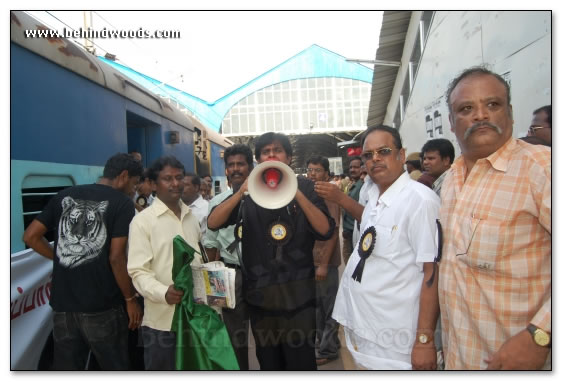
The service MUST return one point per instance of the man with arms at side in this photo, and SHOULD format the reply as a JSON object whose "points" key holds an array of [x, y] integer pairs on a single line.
{"points": [[277, 256], [388, 296], [437, 158], [151, 257], [207, 189], [540, 126], [193, 199], [90, 277], [326, 255], [495, 273], [221, 245]]}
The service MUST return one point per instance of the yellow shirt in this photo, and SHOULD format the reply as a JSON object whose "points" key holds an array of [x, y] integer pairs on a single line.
{"points": [[150, 257]]}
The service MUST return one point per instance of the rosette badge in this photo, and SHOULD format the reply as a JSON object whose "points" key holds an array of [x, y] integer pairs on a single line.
{"points": [[367, 242]]}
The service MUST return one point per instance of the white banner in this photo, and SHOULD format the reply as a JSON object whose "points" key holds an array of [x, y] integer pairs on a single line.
{"points": [[30, 313]]}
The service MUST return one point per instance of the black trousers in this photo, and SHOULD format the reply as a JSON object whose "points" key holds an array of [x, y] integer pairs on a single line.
{"points": [[236, 320], [284, 340], [160, 349]]}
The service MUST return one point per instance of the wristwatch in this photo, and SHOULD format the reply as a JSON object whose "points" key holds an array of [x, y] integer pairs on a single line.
{"points": [[540, 337], [423, 339]]}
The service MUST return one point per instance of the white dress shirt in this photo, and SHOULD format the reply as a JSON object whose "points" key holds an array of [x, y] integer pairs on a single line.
{"points": [[200, 208], [150, 257], [383, 308]]}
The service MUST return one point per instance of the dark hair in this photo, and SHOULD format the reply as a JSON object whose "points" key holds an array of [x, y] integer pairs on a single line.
{"points": [[415, 163], [319, 160], [394, 132], [475, 70], [353, 159], [195, 179], [443, 146], [206, 175], [144, 175], [237, 149], [269, 138], [547, 110], [158, 165], [122, 162]]}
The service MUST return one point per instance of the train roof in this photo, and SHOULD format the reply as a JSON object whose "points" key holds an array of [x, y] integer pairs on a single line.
{"points": [[71, 56]]}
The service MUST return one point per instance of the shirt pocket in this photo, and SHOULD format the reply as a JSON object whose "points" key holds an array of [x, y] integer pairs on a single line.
{"points": [[482, 242], [386, 241]]}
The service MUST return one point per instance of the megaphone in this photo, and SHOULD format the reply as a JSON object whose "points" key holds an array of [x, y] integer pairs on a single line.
{"points": [[272, 184]]}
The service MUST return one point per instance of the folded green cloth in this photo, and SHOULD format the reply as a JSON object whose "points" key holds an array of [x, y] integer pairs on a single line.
{"points": [[202, 341]]}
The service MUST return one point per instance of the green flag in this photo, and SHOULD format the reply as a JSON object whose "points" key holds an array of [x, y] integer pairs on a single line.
{"points": [[202, 341]]}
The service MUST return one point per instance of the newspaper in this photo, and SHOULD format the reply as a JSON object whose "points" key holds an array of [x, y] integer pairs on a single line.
{"points": [[214, 284]]}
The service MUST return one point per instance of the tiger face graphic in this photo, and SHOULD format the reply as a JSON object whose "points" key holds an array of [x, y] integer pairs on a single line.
{"points": [[82, 231]]}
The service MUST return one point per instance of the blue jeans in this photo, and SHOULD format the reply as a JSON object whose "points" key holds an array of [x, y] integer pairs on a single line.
{"points": [[104, 333]]}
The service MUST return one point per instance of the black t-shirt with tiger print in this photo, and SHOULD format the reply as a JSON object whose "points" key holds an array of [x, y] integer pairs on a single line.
{"points": [[85, 219]]}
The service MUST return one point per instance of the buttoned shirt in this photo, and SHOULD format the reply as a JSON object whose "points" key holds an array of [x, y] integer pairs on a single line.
{"points": [[348, 220], [437, 185], [150, 256], [495, 273], [221, 239], [384, 307], [363, 197], [200, 208]]}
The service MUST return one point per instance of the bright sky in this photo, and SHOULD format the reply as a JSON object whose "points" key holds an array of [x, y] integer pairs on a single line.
{"points": [[221, 51]]}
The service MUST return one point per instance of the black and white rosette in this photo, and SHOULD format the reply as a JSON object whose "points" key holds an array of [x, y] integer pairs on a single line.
{"points": [[365, 247], [237, 233], [142, 201], [279, 233]]}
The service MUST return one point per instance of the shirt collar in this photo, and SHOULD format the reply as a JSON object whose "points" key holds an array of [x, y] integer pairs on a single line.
{"points": [[161, 208], [498, 160], [395, 189], [197, 201]]}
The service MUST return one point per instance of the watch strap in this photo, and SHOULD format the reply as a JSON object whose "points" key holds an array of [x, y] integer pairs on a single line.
{"points": [[535, 331]]}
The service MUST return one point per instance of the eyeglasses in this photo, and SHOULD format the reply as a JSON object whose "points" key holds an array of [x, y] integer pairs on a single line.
{"points": [[533, 129], [315, 170], [368, 155]]}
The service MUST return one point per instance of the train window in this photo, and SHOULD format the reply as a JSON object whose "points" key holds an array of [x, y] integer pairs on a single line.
{"points": [[36, 193]]}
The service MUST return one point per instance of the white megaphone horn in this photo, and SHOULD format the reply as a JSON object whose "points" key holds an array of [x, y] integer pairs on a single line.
{"points": [[272, 184]]}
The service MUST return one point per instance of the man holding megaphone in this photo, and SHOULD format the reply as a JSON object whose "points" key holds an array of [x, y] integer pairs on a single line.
{"points": [[277, 254]]}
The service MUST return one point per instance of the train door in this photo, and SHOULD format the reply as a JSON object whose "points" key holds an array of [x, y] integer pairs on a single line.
{"points": [[143, 136]]}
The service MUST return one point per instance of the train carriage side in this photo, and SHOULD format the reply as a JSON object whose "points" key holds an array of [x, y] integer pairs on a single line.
{"points": [[69, 113]]}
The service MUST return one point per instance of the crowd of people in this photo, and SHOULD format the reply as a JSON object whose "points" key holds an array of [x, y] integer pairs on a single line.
{"points": [[447, 262]]}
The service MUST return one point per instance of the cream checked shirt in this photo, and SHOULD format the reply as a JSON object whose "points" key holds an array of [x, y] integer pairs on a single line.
{"points": [[150, 257], [495, 273]]}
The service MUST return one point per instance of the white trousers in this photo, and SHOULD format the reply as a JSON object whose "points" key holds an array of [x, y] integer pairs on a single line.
{"points": [[369, 355]]}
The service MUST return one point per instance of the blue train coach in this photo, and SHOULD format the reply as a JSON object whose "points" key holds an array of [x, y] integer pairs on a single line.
{"points": [[69, 113]]}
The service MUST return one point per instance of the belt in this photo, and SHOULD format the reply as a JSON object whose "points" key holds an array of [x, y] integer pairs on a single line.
{"points": [[234, 266]]}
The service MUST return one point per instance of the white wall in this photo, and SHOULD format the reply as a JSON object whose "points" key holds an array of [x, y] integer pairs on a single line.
{"points": [[514, 42]]}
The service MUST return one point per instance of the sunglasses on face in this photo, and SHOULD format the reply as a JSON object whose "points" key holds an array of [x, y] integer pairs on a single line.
{"points": [[382, 152]]}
